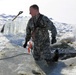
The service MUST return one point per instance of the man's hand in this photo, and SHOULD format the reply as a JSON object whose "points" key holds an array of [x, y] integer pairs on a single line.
{"points": [[53, 40], [25, 45]]}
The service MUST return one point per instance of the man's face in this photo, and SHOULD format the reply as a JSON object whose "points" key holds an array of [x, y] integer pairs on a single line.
{"points": [[33, 11]]}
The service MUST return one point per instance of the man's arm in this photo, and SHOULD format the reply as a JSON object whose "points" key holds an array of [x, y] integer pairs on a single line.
{"points": [[28, 34], [52, 28]]}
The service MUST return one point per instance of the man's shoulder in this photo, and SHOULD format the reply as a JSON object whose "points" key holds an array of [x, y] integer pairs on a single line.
{"points": [[44, 17]]}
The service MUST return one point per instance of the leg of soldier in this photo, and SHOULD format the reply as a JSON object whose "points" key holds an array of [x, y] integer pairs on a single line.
{"points": [[45, 50], [36, 51], [47, 53]]}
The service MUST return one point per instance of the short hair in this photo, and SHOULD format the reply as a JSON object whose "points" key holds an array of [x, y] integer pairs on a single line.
{"points": [[34, 6]]}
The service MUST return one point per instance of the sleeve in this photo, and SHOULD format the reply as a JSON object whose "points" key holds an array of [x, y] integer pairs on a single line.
{"points": [[28, 32], [51, 26]]}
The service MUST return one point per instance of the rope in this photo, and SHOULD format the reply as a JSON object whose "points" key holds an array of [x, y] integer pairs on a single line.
{"points": [[14, 56]]}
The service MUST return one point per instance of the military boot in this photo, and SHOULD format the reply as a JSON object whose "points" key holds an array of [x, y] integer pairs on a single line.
{"points": [[54, 58]]}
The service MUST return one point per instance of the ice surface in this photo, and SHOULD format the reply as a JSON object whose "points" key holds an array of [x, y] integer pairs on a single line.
{"points": [[3, 41], [15, 60]]}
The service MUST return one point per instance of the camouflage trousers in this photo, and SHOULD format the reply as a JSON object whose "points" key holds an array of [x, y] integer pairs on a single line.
{"points": [[42, 49]]}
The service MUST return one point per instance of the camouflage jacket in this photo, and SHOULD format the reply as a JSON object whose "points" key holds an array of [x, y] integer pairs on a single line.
{"points": [[40, 32]]}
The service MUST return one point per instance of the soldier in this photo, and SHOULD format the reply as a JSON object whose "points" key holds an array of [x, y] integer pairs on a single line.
{"points": [[37, 28]]}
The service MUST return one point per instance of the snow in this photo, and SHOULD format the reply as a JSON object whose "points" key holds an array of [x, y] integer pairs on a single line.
{"points": [[14, 34], [3, 41], [66, 67], [67, 37]]}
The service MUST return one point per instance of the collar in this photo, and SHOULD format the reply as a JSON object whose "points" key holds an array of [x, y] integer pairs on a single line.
{"points": [[36, 17]]}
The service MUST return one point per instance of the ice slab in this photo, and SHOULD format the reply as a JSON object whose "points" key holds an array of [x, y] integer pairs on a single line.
{"points": [[15, 60]]}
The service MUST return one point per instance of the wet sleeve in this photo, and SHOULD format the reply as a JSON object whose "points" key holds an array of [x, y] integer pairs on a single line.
{"points": [[28, 32], [51, 26]]}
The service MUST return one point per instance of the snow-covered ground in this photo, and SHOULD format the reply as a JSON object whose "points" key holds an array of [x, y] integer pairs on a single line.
{"points": [[15, 34]]}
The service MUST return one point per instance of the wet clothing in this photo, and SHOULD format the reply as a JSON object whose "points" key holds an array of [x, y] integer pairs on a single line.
{"points": [[40, 35]]}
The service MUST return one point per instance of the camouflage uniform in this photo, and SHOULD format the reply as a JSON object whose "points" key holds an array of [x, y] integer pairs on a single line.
{"points": [[40, 36]]}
